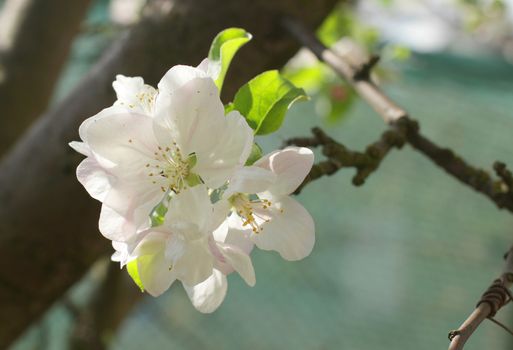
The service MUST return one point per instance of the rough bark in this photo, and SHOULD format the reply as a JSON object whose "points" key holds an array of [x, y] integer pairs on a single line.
{"points": [[35, 38], [48, 225]]}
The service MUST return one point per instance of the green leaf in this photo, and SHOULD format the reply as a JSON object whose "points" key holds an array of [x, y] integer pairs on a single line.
{"points": [[228, 107], [265, 99], [224, 47], [158, 213], [256, 154], [193, 180], [192, 159], [133, 270]]}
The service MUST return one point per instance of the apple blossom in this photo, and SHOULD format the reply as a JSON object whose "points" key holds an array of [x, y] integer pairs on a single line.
{"points": [[183, 248], [263, 211], [137, 154], [168, 166]]}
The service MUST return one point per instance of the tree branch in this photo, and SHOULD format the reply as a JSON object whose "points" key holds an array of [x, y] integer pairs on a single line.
{"points": [[338, 156], [35, 38], [494, 298], [48, 224], [359, 77]]}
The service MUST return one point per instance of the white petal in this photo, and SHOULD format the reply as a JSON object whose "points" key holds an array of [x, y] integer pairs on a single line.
{"points": [[134, 201], [229, 153], [125, 143], [232, 232], [80, 147], [208, 295], [251, 180], [180, 75], [95, 179], [191, 206], [134, 95], [117, 227], [192, 116], [114, 226], [222, 208], [105, 113], [203, 66], [154, 269], [121, 253], [195, 264], [291, 165], [211, 68], [240, 261], [291, 232]]}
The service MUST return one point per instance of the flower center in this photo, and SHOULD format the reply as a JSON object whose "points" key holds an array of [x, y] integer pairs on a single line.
{"points": [[171, 171], [254, 212], [146, 99]]}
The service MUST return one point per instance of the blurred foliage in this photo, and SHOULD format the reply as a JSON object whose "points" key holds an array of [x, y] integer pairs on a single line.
{"points": [[479, 12], [343, 22], [265, 100], [334, 97]]}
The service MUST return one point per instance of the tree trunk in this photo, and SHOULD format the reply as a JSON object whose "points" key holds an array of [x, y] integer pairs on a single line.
{"points": [[35, 38]]}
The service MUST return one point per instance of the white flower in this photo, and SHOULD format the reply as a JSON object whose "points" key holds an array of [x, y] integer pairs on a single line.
{"points": [[134, 95], [170, 149], [137, 154], [264, 213], [184, 249]]}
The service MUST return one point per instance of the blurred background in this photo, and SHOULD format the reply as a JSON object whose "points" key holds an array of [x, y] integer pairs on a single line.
{"points": [[399, 261]]}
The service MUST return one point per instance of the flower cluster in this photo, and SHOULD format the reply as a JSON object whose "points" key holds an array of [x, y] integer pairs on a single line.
{"points": [[178, 201]]}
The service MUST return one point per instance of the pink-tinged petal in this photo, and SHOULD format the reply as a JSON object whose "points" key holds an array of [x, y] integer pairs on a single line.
{"points": [[291, 165], [95, 179], [239, 261], [180, 75], [154, 270], [233, 142], [209, 294], [290, 231], [251, 180]]}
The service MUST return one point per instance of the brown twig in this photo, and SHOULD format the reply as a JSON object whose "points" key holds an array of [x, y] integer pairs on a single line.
{"points": [[338, 156], [358, 76], [492, 300]]}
